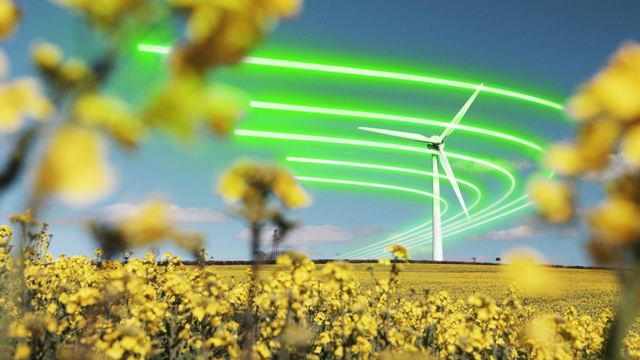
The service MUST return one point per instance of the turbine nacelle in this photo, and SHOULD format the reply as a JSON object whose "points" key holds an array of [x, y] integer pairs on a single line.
{"points": [[436, 143]]}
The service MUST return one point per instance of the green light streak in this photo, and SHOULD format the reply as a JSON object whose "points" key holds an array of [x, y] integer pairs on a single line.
{"points": [[454, 226], [312, 138], [381, 252], [382, 167], [384, 186], [391, 168], [285, 136], [333, 140], [370, 73], [371, 115], [478, 224], [361, 114], [154, 48], [411, 238]]}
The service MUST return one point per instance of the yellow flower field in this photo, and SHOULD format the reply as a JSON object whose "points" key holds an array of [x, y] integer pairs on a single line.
{"points": [[590, 291], [77, 308]]}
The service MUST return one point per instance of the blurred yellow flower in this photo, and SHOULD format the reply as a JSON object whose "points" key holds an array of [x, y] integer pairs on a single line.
{"points": [[9, 16], [150, 224], [292, 194], [553, 198], [284, 8], [631, 144], [225, 106], [617, 87], [617, 221], [47, 56], [22, 98], [525, 270], [596, 141], [112, 114], [565, 159], [75, 167], [252, 181], [398, 251], [188, 240], [22, 351], [583, 106], [177, 108], [232, 186], [73, 70], [25, 218], [615, 90]]}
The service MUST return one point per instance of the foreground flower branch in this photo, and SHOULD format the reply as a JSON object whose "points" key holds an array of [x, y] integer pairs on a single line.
{"points": [[607, 149]]}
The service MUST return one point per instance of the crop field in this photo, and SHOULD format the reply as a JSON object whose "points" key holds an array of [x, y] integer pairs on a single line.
{"points": [[590, 291]]}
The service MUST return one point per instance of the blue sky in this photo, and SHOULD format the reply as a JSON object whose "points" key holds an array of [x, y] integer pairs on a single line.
{"points": [[544, 49]]}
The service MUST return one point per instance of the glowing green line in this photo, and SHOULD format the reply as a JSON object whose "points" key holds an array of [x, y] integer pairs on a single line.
{"points": [[390, 168], [478, 224], [390, 75], [324, 139], [370, 73], [285, 136], [453, 226], [371, 115], [467, 228], [456, 226], [359, 183], [382, 167]]}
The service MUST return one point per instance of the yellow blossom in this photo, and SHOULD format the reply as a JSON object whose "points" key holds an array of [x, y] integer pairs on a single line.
{"points": [[525, 270], [225, 107], [284, 8], [73, 69], [112, 114], [564, 159], [75, 167], [9, 16], [20, 99], [398, 251], [22, 351], [616, 221], [553, 198], [177, 107], [289, 191], [47, 56], [631, 144], [615, 90], [25, 218], [232, 186], [596, 141], [150, 224]]}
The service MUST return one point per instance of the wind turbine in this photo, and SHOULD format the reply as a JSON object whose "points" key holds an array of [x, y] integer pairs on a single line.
{"points": [[437, 143]]}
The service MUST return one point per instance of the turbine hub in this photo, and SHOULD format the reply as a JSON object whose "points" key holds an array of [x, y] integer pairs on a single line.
{"points": [[435, 145]]}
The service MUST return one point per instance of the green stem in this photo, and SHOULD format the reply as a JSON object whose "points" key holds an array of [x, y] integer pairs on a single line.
{"points": [[249, 315], [625, 315]]}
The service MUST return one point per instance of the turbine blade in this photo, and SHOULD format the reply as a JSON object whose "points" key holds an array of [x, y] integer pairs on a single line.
{"points": [[452, 179], [401, 134], [461, 113]]}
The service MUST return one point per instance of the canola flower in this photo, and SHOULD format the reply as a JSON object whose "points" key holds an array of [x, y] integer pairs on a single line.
{"points": [[147, 310], [607, 107]]}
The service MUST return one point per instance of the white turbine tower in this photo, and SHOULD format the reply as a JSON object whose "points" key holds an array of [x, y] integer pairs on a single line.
{"points": [[437, 143]]}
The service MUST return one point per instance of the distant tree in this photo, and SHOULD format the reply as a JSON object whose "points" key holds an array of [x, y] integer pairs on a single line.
{"points": [[498, 259], [474, 259], [155, 251]]}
